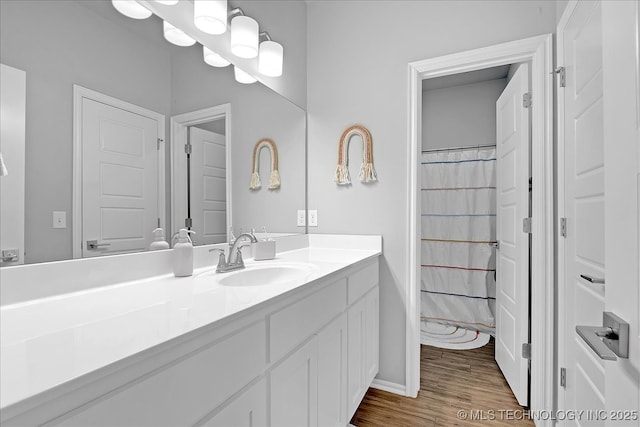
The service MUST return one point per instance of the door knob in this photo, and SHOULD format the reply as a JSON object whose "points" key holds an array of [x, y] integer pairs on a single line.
{"points": [[609, 341]]}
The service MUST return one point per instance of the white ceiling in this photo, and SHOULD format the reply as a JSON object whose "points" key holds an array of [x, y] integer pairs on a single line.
{"points": [[460, 79]]}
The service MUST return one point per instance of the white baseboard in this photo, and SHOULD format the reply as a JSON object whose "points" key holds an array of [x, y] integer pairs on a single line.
{"points": [[389, 386]]}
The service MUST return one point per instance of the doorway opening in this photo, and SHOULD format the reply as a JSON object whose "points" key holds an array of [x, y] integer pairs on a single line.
{"points": [[537, 52], [201, 170], [474, 185]]}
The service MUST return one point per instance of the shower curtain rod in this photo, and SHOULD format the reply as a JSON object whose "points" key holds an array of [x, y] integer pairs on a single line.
{"points": [[470, 147]]}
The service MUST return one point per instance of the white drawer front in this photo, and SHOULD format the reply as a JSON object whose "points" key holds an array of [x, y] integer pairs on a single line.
{"points": [[185, 392], [361, 281], [295, 323]]}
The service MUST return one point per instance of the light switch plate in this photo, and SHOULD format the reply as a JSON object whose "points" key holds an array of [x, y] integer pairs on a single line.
{"points": [[313, 218], [59, 219], [302, 218]]}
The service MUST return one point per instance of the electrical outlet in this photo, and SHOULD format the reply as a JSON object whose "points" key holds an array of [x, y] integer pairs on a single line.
{"points": [[313, 218], [302, 218]]}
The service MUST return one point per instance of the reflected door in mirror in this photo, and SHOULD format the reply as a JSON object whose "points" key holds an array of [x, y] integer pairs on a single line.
{"points": [[120, 194]]}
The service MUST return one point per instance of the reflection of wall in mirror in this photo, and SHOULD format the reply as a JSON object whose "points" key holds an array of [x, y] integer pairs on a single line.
{"points": [[12, 138], [257, 112], [60, 44]]}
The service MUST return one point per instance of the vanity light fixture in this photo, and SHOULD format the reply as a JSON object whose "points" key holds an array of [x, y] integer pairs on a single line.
{"points": [[167, 2], [242, 76], [244, 35], [210, 16], [131, 8], [213, 59], [270, 57], [176, 35]]}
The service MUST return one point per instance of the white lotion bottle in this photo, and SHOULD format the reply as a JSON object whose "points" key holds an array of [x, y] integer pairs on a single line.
{"points": [[159, 242], [183, 255]]}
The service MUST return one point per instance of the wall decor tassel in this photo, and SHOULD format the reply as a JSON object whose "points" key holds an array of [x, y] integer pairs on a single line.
{"points": [[274, 177], [367, 171]]}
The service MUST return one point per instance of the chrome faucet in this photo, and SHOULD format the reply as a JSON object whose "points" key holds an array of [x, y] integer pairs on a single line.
{"points": [[235, 261]]}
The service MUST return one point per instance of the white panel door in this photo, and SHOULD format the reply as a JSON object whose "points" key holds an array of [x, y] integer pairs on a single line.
{"points": [[512, 267], [582, 256], [208, 186], [621, 107], [356, 354], [119, 179]]}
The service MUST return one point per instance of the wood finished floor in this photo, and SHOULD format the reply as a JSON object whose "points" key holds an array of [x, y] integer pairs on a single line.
{"points": [[450, 381]]}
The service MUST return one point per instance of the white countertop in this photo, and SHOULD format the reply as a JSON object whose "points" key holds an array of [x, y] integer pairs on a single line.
{"points": [[48, 341]]}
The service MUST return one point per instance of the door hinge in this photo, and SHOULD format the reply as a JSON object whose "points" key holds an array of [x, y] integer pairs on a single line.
{"points": [[526, 100], [526, 350], [188, 222], [563, 227], [188, 148], [563, 377], [562, 76], [526, 225], [160, 141]]}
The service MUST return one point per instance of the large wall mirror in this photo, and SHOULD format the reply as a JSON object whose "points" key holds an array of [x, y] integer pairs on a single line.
{"points": [[95, 78]]}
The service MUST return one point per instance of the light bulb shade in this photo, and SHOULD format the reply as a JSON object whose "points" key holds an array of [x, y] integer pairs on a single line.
{"points": [[213, 59], [176, 35], [270, 58], [244, 37], [167, 2], [242, 76], [131, 8], [210, 16]]}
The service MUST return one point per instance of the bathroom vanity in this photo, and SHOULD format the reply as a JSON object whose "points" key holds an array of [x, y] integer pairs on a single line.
{"points": [[287, 342]]}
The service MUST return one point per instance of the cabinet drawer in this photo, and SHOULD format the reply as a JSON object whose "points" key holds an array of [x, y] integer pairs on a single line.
{"points": [[295, 323], [361, 281], [184, 392]]}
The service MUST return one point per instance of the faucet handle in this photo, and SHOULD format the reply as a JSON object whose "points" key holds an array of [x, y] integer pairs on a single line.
{"points": [[222, 262]]}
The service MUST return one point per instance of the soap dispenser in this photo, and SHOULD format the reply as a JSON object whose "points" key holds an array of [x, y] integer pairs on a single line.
{"points": [[183, 255], [159, 242]]}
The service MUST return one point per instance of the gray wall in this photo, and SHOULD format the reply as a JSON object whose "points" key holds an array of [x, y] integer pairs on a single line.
{"points": [[460, 115], [357, 72], [60, 44]]}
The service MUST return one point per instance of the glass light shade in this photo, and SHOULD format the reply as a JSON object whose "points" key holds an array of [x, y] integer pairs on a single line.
{"points": [[242, 76], [244, 37], [213, 59], [131, 8], [168, 2], [270, 58], [210, 16], [176, 35]]}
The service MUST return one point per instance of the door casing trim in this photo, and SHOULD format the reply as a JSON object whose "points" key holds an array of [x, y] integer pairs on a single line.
{"points": [[538, 51]]}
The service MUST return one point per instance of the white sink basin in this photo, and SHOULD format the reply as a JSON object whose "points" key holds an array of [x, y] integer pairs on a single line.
{"points": [[263, 275]]}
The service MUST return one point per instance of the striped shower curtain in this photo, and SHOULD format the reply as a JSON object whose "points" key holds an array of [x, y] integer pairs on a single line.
{"points": [[458, 230]]}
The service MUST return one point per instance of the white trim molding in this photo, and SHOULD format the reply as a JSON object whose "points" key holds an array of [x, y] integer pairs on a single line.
{"points": [[538, 51], [179, 125], [389, 386], [80, 93]]}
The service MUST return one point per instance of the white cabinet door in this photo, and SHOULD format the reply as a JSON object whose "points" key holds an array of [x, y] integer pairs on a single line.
{"points": [[247, 410], [294, 388], [372, 336], [356, 353], [362, 363], [332, 374]]}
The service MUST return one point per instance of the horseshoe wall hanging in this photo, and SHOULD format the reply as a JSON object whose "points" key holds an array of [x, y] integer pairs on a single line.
{"points": [[367, 171], [274, 177]]}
